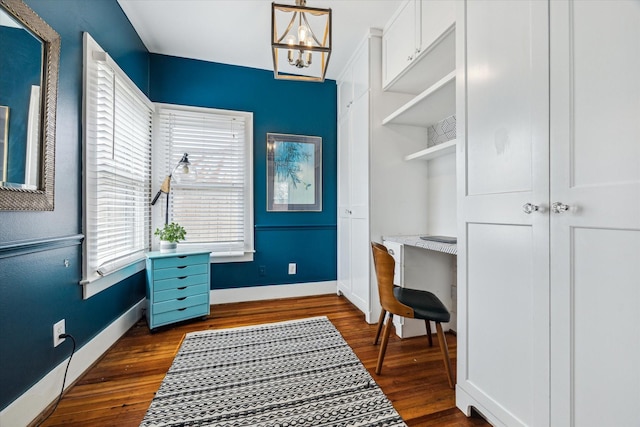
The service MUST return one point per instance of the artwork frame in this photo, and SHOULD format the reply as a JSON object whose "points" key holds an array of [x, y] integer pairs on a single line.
{"points": [[4, 141], [294, 173]]}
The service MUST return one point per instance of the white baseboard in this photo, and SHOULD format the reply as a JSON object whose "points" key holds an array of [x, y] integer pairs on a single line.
{"points": [[259, 293], [30, 404]]}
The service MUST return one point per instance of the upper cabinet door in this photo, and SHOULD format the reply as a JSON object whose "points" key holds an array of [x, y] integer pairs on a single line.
{"points": [[435, 17], [399, 42], [595, 242]]}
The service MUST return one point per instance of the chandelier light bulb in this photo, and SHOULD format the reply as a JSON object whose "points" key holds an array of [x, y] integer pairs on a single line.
{"points": [[303, 31]]}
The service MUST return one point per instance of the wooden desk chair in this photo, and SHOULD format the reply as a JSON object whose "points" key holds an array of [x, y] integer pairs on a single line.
{"points": [[410, 303]]}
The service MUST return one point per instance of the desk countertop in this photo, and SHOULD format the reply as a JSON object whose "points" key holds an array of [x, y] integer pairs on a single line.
{"points": [[449, 248]]}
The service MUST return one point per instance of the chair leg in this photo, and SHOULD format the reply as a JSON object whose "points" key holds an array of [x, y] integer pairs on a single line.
{"points": [[428, 325], [385, 341], [445, 354], [383, 313]]}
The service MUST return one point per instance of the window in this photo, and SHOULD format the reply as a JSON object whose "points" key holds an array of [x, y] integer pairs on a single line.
{"points": [[216, 209], [117, 170]]}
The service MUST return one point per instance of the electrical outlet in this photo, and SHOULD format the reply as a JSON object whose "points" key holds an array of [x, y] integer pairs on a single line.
{"points": [[58, 329], [292, 268]]}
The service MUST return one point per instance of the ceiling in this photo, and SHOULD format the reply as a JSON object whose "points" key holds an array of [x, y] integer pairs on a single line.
{"points": [[238, 32]]}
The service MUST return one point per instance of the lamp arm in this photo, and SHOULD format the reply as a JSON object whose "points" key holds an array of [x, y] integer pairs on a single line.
{"points": [[164, 188]]}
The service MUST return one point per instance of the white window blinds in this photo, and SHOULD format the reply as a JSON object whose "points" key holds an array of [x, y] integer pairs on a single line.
{"points": [[117, 166], [216, 210]]}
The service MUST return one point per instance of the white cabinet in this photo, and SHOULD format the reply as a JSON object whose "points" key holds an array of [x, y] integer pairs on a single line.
{"points": [[354, 81], [373, 198], [399, 41], [417, 42], [535, 286], [429, 76]]}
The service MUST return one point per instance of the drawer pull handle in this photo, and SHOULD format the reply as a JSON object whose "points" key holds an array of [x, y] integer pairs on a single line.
{"points": [[182, 256], [182, 309], [182, 277], [182, 288], [182, 266], [181, 298]]}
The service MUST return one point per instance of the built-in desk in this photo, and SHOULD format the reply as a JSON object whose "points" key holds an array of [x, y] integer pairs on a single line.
{"points": [[448, 248], [426, 265]]}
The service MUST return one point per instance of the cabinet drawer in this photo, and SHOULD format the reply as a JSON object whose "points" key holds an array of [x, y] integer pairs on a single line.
{"points": [[180, 304], [179, 271], [181, 292], [180, 261], [179, 282], [180, 314]]}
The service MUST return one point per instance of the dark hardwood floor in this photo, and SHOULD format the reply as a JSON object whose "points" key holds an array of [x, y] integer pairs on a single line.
{"points": [[118, 389]]}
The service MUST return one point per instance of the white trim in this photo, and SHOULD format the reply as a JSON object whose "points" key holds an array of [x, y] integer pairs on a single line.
{"points": [[31, 403], [260, 293], [100, 283]]}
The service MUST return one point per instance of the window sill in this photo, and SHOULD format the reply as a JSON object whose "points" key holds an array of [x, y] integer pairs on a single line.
{"points": [[99, 284], [220, 258], [93, 287]]}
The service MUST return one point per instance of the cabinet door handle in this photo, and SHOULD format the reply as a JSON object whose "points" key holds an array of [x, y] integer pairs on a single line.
{"points": [[182, 277], [181, 266], [181, 298], [529, 208], [182, 288], [559, 207], [182, 309], [182, 256]]}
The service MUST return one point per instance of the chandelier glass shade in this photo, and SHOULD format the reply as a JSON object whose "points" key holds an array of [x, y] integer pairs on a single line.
{"points": [[300, 41]]}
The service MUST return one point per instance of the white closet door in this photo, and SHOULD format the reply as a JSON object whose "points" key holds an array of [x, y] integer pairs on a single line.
{"points": [[344, 204], [360, 236], [503, 281], [595, 244]]}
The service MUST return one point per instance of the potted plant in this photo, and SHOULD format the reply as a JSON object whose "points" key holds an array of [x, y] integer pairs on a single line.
{"points": [[169, 236]]}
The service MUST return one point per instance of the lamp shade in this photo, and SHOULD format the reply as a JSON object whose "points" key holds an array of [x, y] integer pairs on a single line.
{"points": [[185, 171], [300, 41]]}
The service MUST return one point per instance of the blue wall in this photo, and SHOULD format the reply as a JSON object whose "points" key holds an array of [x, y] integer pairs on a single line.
{"points": [[36, 290], [306, 238], [20, 55]]}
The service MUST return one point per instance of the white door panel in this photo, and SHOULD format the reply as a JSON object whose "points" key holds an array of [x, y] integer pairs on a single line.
{"points": [[503, 264], [360, 270], [501, 296], [507, 94], [595, 245], [605, 293]]}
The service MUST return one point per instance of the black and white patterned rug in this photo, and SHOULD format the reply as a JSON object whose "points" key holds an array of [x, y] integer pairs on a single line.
{"points": [[297, 373]]}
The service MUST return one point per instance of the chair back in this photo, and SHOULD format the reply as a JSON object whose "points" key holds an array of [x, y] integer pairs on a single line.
{"points": [[385, 265]]}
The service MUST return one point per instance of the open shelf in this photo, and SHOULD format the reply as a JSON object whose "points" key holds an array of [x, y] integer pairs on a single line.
{"points": [[429, 107], [435, 151]]}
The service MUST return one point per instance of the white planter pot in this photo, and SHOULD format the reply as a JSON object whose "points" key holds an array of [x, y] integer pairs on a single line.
{"points": [[166, 246]]}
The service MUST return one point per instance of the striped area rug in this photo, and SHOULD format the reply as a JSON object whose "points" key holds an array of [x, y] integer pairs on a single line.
{"points": [[297, 373]]}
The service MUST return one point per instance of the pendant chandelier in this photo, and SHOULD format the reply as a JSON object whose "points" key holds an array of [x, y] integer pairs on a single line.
{"points": [[300, 41]]}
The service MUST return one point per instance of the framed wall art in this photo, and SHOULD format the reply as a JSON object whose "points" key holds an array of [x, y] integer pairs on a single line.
{"points": [[4, 141], [294, 173]]}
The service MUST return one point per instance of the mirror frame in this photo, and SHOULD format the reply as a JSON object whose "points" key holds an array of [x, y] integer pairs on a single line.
{"points": [[41, 199]]}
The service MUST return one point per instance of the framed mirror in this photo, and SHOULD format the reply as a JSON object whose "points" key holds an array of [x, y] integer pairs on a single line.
{"points": [[29, 63]]}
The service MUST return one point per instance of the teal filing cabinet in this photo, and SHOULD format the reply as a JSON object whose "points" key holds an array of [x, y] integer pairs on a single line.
{"points": [[177, 287]]}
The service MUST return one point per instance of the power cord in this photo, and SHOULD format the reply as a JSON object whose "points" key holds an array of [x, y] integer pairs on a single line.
{"points": [[64, 379]]}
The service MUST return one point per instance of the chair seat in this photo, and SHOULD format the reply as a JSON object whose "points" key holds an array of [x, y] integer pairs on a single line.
{"points": [[425, 305]]}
